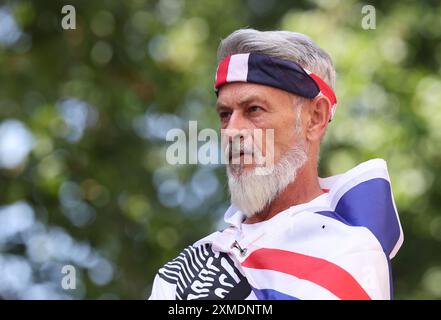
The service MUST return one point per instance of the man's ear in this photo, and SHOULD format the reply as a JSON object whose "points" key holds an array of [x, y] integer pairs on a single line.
{"points": [[319, 113]]}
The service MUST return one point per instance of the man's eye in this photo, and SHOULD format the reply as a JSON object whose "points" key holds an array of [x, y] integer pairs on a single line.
{"points": [[224, 114], [254, 109]]}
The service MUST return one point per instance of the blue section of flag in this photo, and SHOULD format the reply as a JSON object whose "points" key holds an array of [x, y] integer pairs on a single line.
{"points": [[270, 294], [369, 204]]}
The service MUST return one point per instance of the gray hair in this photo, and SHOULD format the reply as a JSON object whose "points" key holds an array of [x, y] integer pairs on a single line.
{"points": [[283, 45]]}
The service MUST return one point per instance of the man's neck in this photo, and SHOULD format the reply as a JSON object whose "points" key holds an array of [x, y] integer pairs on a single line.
{"points": [[304, 189]]}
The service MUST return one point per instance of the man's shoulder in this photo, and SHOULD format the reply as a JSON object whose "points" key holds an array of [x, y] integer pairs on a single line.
{"points": [[320, 234]]}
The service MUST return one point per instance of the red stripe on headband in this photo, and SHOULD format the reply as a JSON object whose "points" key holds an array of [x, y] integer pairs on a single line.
{"points": [[324, 88], [222, 72]]}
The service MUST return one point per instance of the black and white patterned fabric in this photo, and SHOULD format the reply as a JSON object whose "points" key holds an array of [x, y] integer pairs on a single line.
{"points": [[201, 273]]}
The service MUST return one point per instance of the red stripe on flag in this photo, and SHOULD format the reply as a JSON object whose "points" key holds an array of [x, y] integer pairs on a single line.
{"points": [[324, 88], [323, 273], [222, 72]]}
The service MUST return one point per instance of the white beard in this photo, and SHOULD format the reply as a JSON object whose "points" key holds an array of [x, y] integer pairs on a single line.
{"points": [[252, 192]]}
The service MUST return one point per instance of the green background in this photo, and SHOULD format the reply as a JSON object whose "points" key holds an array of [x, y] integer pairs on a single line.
{"points": [[84, 112]]}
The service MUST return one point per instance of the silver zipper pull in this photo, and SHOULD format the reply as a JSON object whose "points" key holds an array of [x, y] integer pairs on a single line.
{"points": [[242, 251]]}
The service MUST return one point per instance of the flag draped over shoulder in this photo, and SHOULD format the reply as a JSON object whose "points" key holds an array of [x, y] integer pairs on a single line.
{"points": [[338, 246]]}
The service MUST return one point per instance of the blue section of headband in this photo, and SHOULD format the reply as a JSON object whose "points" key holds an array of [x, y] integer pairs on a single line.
{"points": [[281, 74]]}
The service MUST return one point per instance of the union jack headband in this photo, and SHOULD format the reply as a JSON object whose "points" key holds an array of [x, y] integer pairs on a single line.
{"points": [[273, 72]]}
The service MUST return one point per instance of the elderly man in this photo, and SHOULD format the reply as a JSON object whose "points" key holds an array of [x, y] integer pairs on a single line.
{"points": [[291, 234]]}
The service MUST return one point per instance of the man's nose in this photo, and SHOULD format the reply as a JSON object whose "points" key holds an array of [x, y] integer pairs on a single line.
{"points": [[238, 130], [238, 122]]}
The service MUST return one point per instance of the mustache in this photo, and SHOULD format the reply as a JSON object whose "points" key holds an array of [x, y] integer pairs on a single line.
{"points": [[234, 150]]}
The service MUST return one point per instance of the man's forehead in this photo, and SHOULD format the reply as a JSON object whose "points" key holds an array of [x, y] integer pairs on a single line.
{"points": [[243, 93]]}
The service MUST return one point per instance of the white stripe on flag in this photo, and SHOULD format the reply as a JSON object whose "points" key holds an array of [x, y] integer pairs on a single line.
{"points": [[238, 68]]}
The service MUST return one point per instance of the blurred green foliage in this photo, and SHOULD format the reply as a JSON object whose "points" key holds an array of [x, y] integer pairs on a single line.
{"points": [[93, 104]]}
